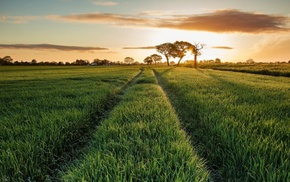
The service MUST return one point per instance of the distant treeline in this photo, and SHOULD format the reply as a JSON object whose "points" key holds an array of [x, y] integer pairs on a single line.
{"points": [[7, 60]]}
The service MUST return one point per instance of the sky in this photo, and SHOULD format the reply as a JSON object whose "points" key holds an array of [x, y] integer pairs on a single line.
{"points": [[66, 30]]}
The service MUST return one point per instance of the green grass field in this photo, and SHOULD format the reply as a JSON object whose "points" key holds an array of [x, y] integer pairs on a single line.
{"points": [[142, 124], [140, 141], [239, 123], [273, 69], [47, 111]]}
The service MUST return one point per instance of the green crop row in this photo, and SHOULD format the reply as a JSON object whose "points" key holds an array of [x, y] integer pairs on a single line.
{"points": [[260, 68], [141, 140], [239, 123], [46, 113]]}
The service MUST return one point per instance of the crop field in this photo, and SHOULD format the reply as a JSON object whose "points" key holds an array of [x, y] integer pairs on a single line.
{"points": [[140, 141], [133, 123], [239, 123], [47, 111], [257, 68]]}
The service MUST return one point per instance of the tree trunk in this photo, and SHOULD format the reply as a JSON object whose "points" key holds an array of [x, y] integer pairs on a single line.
{"points": [[167, 60], [195, 61], [179, 61]]}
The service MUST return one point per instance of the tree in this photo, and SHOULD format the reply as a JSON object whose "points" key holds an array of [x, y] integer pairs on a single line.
{"points": [[217, 60], [81, 62], [129, 60], [6, 60], [195, 49], [156, 58], [100, 62], [60, 63], [181, 47], [166, 49], [33, 61], [148, 60], [250, 61]]}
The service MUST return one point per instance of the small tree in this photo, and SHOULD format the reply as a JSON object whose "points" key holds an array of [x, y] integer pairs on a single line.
{"points": [[128, 60], [250, 61], [156, 58], [100, 62], [166, 49], [78, 62], [148, 60], [6, 60], [181, 47], [217, 60], [33, 61], [195, 49]]}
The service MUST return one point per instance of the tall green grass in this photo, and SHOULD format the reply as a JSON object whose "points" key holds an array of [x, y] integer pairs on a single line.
{"points": [[141, 140], [257, 68], [46, 113], [240, 123]]}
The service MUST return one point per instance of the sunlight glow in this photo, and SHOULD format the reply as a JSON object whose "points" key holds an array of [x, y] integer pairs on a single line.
{"points": [[209, 39]]}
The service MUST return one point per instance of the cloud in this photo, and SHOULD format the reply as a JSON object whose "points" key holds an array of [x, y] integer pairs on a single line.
{"points": [[146, 47], [221, 21], [105, 3], [49, 47], [229, 21], [156, 13], [17, 19], [103, 18], [221, 47]]}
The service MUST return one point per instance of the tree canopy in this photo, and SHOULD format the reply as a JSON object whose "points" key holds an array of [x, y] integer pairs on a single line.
{"points": [[178, 49], [128, 60], [148, 60], [6, 60], [156, 58], [153, 57], [181, 47], [166, 49]]}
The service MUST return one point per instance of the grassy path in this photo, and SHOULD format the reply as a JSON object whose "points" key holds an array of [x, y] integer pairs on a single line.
{"points": [[141, 140]]}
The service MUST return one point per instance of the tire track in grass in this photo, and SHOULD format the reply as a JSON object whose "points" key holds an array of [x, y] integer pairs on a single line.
{"points": [[214, 112], [165, 92], [48, 116], [96, 119], [141, 140], [197, 143]]}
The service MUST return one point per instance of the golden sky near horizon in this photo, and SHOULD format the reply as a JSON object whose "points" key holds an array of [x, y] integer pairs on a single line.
{"points": [[66, 30]]}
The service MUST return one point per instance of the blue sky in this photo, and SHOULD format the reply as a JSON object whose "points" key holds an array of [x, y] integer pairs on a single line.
{"points": [[232, 30]]}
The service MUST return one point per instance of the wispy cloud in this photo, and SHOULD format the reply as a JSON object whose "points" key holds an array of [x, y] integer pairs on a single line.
{"points": [[222, 47], [156, 13], [229, 21], [50, 47], [17, 19], [146, 47], [104, 3], [103, 18], [220, 21]]}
